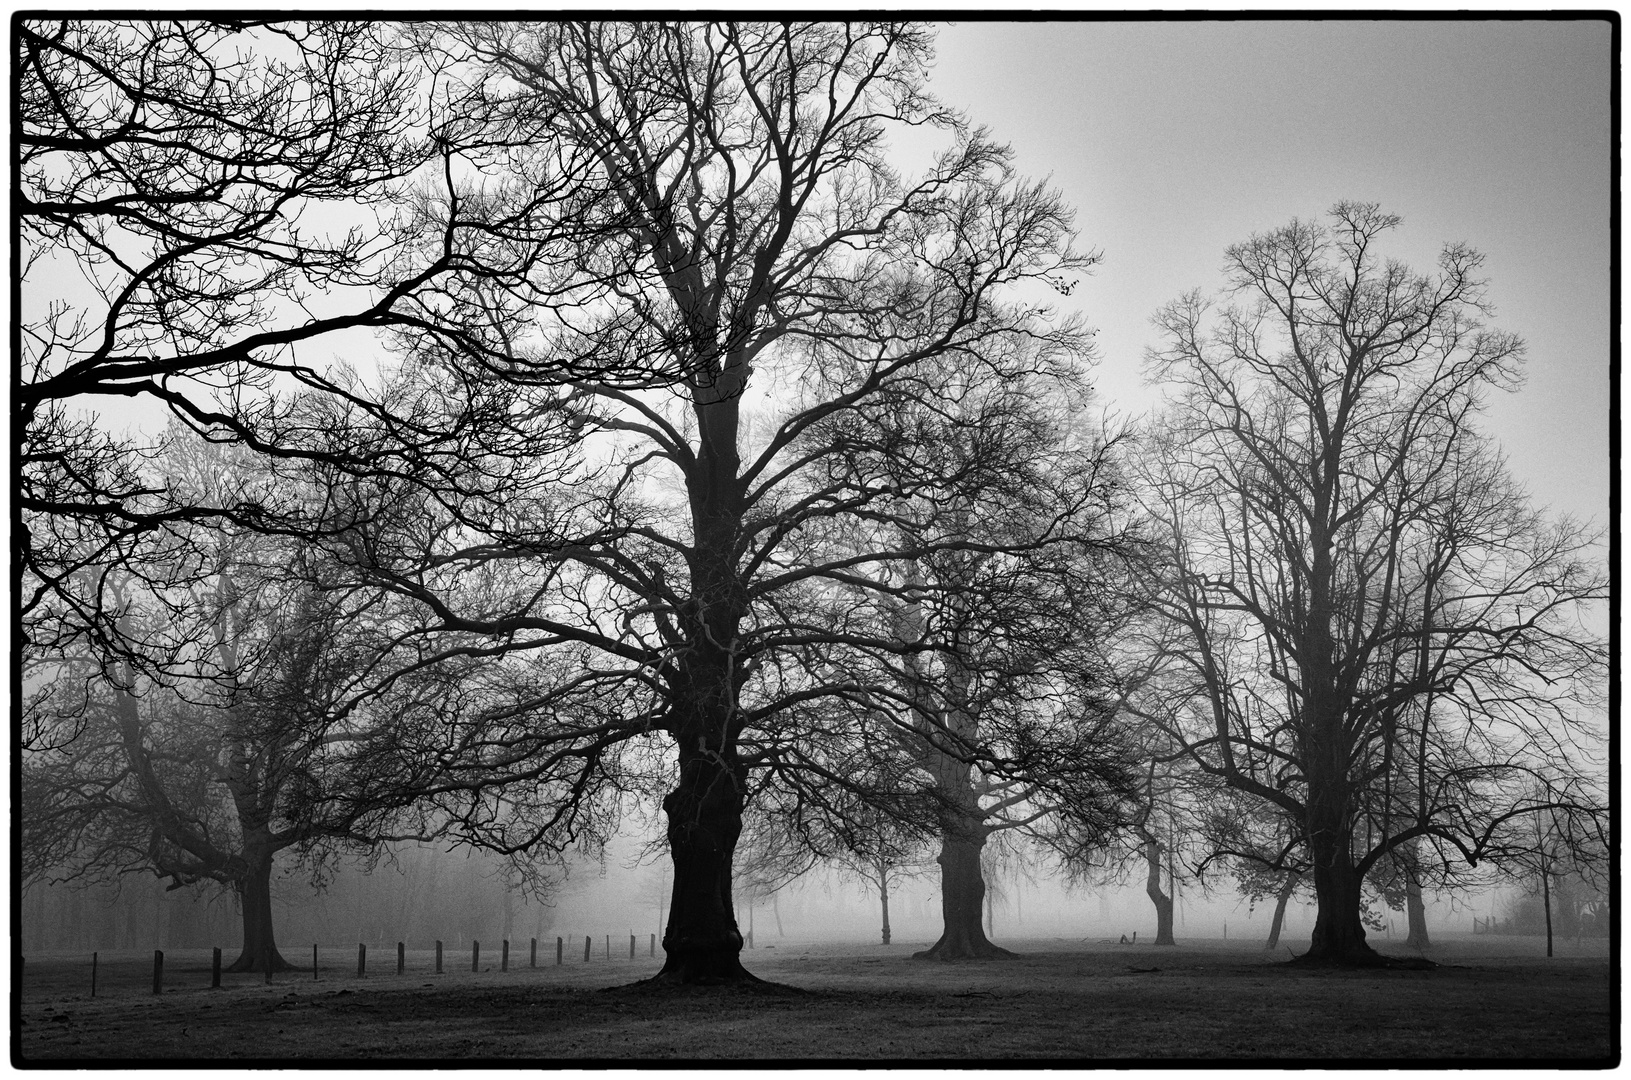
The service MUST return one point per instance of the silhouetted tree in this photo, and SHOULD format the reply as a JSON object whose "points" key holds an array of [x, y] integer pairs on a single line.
{"points": [[1366, 626], [754, 237]]}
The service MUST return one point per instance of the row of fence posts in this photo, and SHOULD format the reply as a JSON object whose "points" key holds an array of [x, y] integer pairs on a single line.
{"points": [[401, 959]]}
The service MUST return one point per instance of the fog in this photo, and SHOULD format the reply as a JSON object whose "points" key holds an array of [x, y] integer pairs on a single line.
{"points": [[418, 894]]}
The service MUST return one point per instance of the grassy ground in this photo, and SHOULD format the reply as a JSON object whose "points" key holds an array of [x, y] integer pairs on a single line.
{"points": [[1493, 998]]}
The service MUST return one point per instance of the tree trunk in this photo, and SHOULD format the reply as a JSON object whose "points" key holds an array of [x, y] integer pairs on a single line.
{"points": [[702, 940], [255, 897], [1416, 912], [1152, 888], [1339, 935], [1546, 905], [883, 893], [962, 894], [1286, 889]]}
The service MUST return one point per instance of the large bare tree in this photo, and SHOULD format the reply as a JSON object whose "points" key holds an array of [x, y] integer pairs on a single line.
{"points": [[758, 247], [1364, 623]]}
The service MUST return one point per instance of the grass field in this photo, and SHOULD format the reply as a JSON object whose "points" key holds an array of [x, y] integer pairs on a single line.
{"points": [[1492, 998]]}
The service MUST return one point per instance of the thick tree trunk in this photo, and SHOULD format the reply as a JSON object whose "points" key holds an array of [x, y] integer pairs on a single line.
{"points": [[1280, 901], [962, 895], [255, 897], [1152, 888], [702, 941], [1339, 935], [1416, 913]]}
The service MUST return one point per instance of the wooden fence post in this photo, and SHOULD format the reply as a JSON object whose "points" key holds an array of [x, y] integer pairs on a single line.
{"points": [[475, 955], [588, 943], [314, 961], [93, 972], [215, 969], [608, 946], [653, 944], [401, 957], [631, 946], [504, 956], [534, 952], [158, 971], [438, 958], [560, 947], [362, 959]]}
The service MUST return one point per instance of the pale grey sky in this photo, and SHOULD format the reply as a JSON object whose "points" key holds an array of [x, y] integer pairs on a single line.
{"points": [[1175, 139]]}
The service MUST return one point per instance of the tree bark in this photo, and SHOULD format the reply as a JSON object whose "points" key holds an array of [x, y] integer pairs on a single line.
{"points": [[1152, 888], [1286, 889], [255, 897], [962, 896]]}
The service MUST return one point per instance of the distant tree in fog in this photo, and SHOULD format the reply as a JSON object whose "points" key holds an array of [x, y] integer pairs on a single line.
{"points": [[254, 739], [1364, 623], [987, 690]]}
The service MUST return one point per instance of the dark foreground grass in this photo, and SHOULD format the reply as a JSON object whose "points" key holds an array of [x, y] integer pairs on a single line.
{"points": [[1057, 1000]]}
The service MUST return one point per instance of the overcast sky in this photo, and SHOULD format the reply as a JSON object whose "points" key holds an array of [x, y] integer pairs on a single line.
{"points": [[1175, 139]]}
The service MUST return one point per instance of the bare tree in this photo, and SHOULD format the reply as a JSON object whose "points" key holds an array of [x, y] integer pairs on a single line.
{"points": [[755, 237], [1365, 624], [262, 746]]}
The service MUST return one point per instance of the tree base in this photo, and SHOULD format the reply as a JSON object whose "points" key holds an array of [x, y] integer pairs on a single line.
{"points": [[247, 963], [1355, 959], [708, 969], [948, 950], [672, 985]]}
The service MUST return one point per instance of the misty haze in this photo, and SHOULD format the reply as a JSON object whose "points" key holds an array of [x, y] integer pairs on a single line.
{"points": [[1074, 542]]}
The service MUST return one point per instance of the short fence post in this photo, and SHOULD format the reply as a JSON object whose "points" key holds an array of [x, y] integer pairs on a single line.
{"points": [[588, 943], [653, 944], [560, 947], [534, 952], [608, 946], [631, 946], [504, 956], [215, 970], [93, 972], [401, 957], [475, 955], [314, 961], [158, 971], [362, 959], [438, 958]]}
